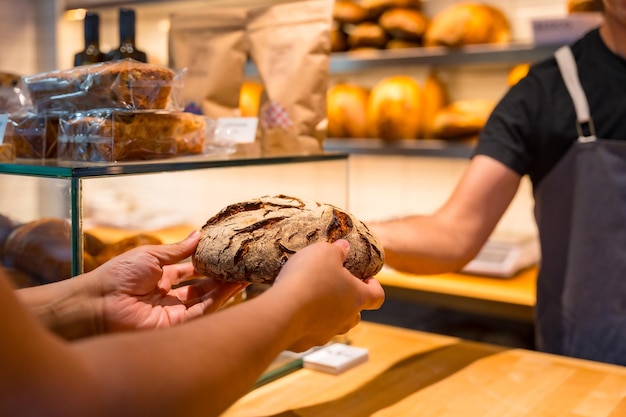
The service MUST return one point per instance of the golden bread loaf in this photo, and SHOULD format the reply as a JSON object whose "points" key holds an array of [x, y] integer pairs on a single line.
{"points": [[462, 119], [367, 35], [394, 108], [467, 23], [435, 98], [347, 111], [349, 12], [404, 24]]}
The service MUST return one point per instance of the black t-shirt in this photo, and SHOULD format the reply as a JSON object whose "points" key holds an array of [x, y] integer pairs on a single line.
{"points": [[533, 126]]}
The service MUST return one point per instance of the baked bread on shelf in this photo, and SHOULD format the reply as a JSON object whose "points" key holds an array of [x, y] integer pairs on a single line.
{"points": [[404, 24], [9, 79], [118, 135], [33, 136], [125, 84], [462, 119], [468, 23], [48, 240]]}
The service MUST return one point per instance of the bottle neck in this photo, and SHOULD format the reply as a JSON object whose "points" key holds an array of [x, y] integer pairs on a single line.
{"points": [[92, 30], [127, 27]]}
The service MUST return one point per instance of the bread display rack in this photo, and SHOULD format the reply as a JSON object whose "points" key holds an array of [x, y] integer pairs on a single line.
{"points": [[350, 63]]}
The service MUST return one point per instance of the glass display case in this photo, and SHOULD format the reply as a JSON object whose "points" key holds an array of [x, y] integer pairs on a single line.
{"points": [[81, 208]]}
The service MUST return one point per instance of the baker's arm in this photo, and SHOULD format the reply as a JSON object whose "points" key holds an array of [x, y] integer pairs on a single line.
{"points": [[449, 238]]}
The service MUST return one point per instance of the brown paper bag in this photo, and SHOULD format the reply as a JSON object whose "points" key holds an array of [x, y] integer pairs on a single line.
{"points": [[211, 45], [290, 46], [289, 43]]}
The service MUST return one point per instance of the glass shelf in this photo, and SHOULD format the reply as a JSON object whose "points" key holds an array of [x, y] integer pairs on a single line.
{"points": [[439, 56], [60, 169], [405, 147], [512, 53]]}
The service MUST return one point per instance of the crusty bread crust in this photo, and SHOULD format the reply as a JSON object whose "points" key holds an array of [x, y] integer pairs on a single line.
{"points": [[250, 241]]}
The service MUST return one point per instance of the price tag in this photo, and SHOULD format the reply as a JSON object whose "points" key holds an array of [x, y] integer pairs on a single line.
{"points": [[4, 121], [237, 129]]}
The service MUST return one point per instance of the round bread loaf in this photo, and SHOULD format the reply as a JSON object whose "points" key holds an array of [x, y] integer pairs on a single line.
{"points": [[250, 241], [42, 249]]}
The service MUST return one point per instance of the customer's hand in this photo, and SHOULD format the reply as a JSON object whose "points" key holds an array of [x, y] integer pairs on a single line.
{"points": [[328, 298], [142, 288]]}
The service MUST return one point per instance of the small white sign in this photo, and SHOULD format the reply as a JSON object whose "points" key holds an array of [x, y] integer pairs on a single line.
{"points": [[335, 358], [4, 121], [236, 129]]}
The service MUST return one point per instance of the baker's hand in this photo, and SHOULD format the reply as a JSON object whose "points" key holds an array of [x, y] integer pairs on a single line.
{"points": [[328, 299], [142, 288]]}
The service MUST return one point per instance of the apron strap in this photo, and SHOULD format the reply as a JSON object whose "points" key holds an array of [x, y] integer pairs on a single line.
{"points": [[569, 72]]}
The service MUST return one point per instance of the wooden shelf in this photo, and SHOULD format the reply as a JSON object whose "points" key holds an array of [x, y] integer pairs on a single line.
{"points": [[512, 298]]}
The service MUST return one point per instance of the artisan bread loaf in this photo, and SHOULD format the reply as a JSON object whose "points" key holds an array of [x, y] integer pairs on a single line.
{"points": [[42, 249], [251, 240]]}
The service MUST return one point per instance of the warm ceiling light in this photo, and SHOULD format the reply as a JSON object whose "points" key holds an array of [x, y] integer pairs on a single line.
{"points": [[75, 15]]}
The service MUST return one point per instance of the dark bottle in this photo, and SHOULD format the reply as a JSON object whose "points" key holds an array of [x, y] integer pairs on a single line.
{"points": [[127, 48], [92, 53]]}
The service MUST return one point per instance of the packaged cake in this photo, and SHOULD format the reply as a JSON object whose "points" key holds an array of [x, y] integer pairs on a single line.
{"points": [[111, 135]]}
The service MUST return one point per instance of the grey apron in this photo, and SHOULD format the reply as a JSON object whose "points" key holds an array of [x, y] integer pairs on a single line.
{"points": [[581, 216]]}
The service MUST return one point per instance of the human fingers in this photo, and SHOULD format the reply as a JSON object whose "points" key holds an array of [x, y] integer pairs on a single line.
{"points": [[206, 296], [319, 261], [180, 273], [374, 294], [173, 253], [344, 245]]}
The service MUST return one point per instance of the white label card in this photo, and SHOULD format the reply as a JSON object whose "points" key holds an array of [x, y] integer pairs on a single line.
{"points": [[4, 120], [237, 129]]}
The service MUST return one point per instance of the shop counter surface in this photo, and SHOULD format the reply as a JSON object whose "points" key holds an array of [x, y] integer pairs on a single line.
{"points": [[412, 373], [512, 297]]}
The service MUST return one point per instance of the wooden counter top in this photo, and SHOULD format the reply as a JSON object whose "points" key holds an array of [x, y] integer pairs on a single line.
{"points": [[411, 373], [512, 297]]}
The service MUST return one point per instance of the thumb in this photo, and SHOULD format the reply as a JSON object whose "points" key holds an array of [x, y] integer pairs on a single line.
{"points": [[345, 246], [175, 252]]}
